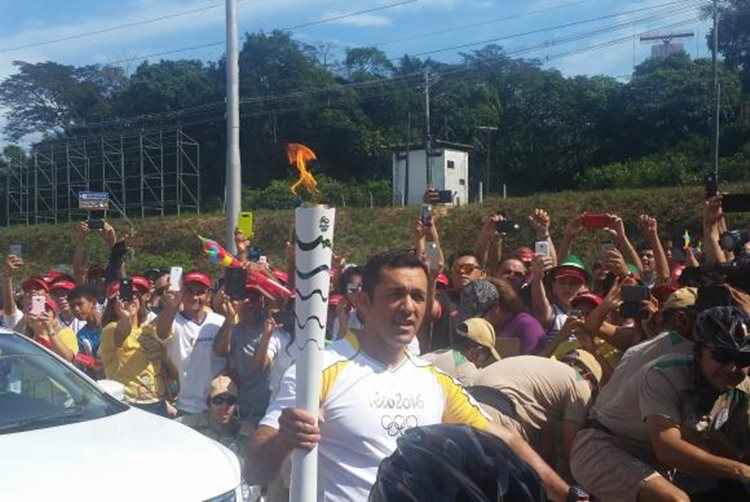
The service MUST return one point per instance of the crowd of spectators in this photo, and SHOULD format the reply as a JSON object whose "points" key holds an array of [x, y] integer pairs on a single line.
{"points": [[621, 379]]}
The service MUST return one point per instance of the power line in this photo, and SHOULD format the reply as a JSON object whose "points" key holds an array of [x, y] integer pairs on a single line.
{"points": [[372, 83], [562, 26], [287, 28], [115, 28], [474, 25]]}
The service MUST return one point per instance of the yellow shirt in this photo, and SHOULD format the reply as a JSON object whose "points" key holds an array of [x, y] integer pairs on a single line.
{"points": [[68, 338], [610, 354], [129, 365]]}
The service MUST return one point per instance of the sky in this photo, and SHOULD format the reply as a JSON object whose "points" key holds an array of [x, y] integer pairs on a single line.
{"points": [[419, 27]]}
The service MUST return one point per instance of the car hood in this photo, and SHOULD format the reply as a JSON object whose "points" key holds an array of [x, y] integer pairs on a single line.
{"points": [[132, 455]]}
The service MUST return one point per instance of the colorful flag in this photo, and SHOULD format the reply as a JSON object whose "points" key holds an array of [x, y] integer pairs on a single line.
{"points": [[217, 254]]}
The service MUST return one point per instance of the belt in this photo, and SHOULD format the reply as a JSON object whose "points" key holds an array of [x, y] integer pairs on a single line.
{"points": [[495, 398]]}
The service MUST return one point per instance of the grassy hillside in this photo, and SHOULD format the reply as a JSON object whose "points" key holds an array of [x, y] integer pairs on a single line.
{"points": [[361, 232]]}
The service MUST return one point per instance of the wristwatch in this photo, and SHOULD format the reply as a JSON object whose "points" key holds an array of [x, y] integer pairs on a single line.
{"points": [[576, 493]]}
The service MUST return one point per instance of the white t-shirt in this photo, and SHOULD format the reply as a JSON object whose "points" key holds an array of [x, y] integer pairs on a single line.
{"points": [[282, 355], [366, 407], [191, 349], [10, 322]]}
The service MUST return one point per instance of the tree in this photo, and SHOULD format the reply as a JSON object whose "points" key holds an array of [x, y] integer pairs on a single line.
{"points": [[367, 63], [734, 37], [167, 86], [50, 98], [669, 101]]}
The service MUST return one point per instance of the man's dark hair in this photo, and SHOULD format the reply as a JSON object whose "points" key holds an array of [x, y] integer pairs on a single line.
{"points": [[644, 247], [390, 259], [82, 292], [461, 254]]}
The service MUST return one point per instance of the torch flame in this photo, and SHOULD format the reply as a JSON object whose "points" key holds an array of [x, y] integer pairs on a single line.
{"points": [[299, 155]]}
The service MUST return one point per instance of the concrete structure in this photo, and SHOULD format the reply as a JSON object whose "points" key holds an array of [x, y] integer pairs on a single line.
{"points": [[449, 163], [663, 51]]}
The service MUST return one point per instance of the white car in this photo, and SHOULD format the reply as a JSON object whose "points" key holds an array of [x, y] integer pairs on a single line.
{"points": [[63, 438]]}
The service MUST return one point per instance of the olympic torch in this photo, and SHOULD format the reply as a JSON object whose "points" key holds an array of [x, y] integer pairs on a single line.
{"points": [[313, 227]]}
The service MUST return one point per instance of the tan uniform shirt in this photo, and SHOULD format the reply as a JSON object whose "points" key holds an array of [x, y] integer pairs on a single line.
{"points": [[541, 389], [233, 438], [455, 364], [616, 404]]}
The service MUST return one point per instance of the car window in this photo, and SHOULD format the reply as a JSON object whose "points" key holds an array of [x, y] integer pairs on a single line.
{"points": [[37, 390]]}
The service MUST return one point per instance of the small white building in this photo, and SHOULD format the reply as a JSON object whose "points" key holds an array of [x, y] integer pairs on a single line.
{"points": [[449, 163]]}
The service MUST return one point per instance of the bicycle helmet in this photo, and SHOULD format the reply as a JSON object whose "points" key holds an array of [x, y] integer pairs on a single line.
{"points": [[724, 328], [454, 463]]}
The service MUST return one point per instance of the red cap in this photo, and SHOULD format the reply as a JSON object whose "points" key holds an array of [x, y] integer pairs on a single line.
{"points": [[590, 298], [62, 285], [524, 254], [52, 305], [197, 278], [442, 280], [141, 284], [34, 283], [571, 272]]}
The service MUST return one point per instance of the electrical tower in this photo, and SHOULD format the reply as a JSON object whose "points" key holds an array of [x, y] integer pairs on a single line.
{"points": [[667, 47]]}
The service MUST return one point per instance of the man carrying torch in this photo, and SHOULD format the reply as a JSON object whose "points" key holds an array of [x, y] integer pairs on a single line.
{"points": [[370, 389]]}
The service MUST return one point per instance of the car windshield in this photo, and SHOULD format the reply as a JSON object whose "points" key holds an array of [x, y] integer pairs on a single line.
{"points": [[37, 390]]}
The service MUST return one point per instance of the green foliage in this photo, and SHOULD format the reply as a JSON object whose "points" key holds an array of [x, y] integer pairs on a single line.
{"points": [[671, 169], [351, 113], [277, 195], [361, 232]]}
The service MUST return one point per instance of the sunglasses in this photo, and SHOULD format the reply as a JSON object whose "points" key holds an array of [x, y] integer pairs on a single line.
{"points": [[466, 268], [221, 400]]}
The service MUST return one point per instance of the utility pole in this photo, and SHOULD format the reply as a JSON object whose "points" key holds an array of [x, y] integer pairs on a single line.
{"points": [[233, 166], [717, 89], [408, 154], [427, 133], [487, 169]]}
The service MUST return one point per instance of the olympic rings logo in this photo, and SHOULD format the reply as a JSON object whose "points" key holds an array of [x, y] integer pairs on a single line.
{"points": [[396, 425]]}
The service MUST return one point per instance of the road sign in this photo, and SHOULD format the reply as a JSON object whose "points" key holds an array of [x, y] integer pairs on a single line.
{"points": [[93, 201]]}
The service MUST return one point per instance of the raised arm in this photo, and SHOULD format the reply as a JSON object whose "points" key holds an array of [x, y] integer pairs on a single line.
{"points": [[624, 244], [541, 307], [489, 242], [596, 322], [650, 229], [262, 360], [12, 263], [540, 222], [223, 339], [127, 318], [572, 229], [165, 320], [713, 218]]}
